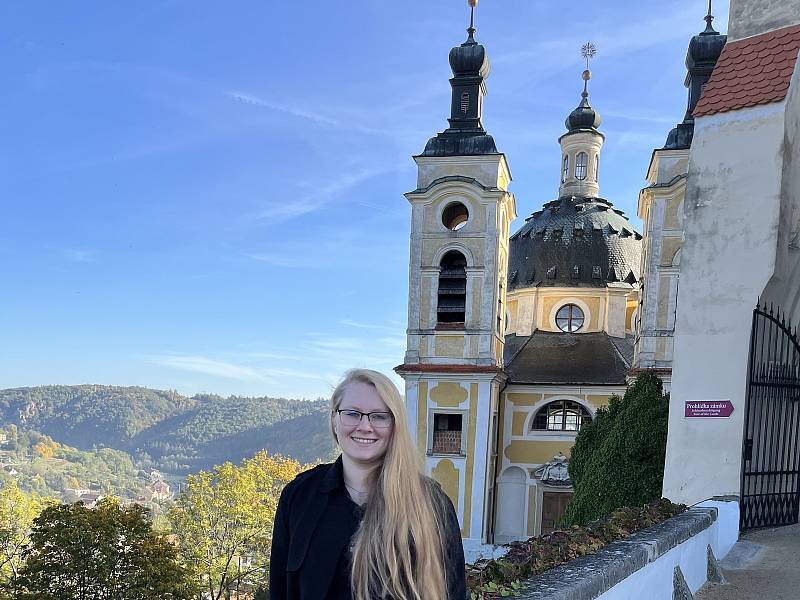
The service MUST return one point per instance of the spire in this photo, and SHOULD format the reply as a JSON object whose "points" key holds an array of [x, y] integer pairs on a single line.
{"points": [[708, 18], [471, 28], [584, 117], [466, 135]]}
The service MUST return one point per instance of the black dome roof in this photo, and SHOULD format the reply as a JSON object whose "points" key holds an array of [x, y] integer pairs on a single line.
{"points": [[583, 117], [705, 48], [574, 242], [469, 58]]}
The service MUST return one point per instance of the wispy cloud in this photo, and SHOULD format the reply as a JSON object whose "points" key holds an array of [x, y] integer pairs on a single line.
{"points": [[370, 326], [393, 342], [208, 366], [289, 110], [274, 356], [317, 196], [277, 260]]}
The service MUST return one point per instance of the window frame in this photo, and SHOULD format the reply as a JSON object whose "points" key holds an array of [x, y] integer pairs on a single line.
{"points": [[584, 417], [432, 412], [581, 166], [571, 306], [565, 168]]}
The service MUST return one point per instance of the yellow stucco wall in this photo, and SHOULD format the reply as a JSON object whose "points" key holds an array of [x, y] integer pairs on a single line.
{"points": [[513, 308], [548, 303], [477, 286], [518, 423], [629, 310], [522, 399], [535, 452], [669, 246], [446, 474], [663, 302], [448, 394], [473, 411], [671, 213], [425, 303], [449, 346], [422, 417], [598, 400]]}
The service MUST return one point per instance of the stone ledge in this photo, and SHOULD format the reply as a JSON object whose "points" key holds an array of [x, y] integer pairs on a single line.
{"points": [[590, 576]]}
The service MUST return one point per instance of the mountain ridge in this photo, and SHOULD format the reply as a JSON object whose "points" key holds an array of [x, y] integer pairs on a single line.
{"points": [[167, 430]]}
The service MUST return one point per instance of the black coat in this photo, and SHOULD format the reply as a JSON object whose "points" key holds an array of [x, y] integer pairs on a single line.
{"points": [[314, 524]]}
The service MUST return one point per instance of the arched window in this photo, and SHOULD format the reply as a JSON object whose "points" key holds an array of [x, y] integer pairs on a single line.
{"points": [[569, 318], [452, 297], [561, 415], [596, 167], [581, 162], [565, 168]]}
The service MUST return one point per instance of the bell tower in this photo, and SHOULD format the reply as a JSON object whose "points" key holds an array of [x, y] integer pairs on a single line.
{"points": [[460, 215]]}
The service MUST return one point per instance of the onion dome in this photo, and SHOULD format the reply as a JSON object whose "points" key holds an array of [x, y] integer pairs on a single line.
{"points": [[470, 58], [575, 242], [706, 46], [584, 117]]}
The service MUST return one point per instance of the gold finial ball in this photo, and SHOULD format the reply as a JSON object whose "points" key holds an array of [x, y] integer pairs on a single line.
{"points": [[472, 3], [587, 75]]}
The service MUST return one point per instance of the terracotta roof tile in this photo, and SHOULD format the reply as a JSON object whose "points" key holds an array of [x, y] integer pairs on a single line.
{"points": [[752, 71]]}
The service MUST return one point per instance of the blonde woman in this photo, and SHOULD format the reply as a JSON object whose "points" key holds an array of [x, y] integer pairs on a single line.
{"points": [[369, 525]]}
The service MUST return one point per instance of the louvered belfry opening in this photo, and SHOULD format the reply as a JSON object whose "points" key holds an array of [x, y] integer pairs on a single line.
{"points": [[452, 297]]}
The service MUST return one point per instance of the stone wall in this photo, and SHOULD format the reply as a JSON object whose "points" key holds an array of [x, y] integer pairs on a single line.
{"points": [[670, 560]]}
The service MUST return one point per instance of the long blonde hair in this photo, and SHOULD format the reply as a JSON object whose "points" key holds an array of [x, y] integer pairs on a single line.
{"points": [[398, 551]]}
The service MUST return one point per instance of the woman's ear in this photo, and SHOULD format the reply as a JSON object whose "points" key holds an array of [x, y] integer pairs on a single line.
{"points": [[333, 427]]}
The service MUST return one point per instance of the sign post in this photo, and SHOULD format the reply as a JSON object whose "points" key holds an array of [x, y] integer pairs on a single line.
{"points": [[713, 409]]}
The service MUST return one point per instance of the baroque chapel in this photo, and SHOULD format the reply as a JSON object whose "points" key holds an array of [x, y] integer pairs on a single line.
{"points": [[514, 340]]}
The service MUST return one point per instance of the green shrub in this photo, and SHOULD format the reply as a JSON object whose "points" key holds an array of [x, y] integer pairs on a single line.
{"points": [[618, 459]]}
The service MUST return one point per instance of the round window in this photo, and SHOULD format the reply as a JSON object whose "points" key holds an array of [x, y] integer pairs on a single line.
{"points": [[455, 216], [569, 318]]}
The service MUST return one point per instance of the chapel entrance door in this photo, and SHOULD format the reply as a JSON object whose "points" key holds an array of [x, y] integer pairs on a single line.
{"points": [[770, 487], [554, 504]]}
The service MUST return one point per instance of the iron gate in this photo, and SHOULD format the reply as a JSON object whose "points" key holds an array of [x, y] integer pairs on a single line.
{"points": [[771, 450]]}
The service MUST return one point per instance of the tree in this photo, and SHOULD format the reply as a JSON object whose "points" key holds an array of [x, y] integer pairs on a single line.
{"points": [[109, 552], [618, 459], [223, 520], [17, 513]]}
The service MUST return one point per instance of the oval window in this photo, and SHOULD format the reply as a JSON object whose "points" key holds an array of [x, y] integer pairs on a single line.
{"points": [[569, 318], [455, 216]]}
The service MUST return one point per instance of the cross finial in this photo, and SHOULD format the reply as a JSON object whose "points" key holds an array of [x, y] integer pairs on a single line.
{"points": [[588, 51]]}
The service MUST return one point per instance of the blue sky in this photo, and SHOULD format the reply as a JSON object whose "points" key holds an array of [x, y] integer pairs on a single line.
{"points": [[209, 196]]}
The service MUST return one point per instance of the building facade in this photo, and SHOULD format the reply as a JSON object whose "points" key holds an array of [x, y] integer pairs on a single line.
{"points": [[513, 341]]}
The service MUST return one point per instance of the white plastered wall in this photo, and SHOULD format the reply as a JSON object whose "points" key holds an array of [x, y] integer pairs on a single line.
{"points": [[731, 225]]}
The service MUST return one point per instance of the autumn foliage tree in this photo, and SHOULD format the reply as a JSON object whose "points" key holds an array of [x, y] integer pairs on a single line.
{"points": [[223, 520], [17, 513], [109, 552]]}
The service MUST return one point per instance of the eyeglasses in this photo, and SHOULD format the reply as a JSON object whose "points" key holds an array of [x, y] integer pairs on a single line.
{"points": [[352, 418]]}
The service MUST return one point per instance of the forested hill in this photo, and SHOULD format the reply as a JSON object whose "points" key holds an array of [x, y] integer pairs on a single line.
{"points": [[166, 430]]}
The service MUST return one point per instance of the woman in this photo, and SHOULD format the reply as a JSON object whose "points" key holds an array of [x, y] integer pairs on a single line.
{"points": [[369, 525]]}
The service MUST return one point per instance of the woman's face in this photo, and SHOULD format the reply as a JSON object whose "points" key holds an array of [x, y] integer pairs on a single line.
{"points": [[362, 442]]}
